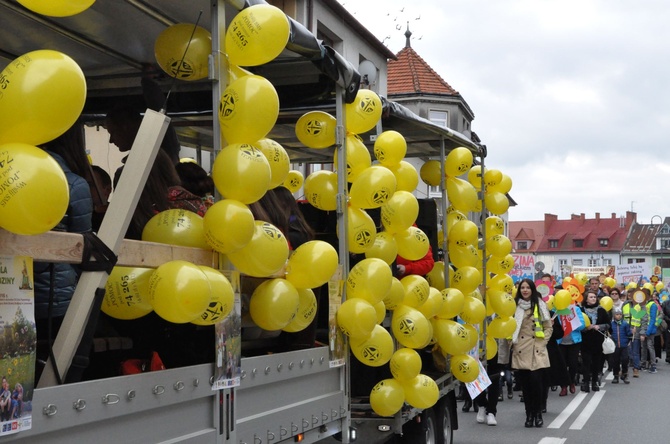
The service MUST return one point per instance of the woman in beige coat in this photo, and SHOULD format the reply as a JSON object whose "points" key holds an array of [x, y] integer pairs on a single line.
{"points": [[529, 348]]}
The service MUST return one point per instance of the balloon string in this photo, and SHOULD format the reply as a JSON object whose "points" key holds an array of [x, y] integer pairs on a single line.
{"points": [[176, 75]]}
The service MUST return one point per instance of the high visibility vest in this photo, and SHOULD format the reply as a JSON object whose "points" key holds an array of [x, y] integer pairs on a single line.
{"points": [[625, 310], [637, 313], [658, 319], [539, 331]]}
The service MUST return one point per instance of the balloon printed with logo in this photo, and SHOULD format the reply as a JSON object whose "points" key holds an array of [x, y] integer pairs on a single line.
{"points": [[374, 350], [177, 227], [466, 279], [369, 279], [228, 225], [274, 304], [34, 191], [316, 129], [395, 295], [416, 288], [494, 226], [294, 181], [241, 172], [361, 230], [458, 161], [278, 160], [43, 95], [433, 303], [399, 212], [435, 276], [358, 157], [452, 305], [390, 148], [405, 364], [356, 318], [363, 113], [475, 177], [387, 397], [223, 298], [182, 51], [464, 256], [57, 8], [265, 254], [384, 248], [248, 109], [502, 282], [257, 35], [462, 195], [474, 310], [179, 291], [463, 233], [321, 190], [306, 311], [127, 293], [500, 265], [373, 187], [492, 177], [504, 186], [413, 244], [410, 327], [421, 392], [503, 303], [452, 337], [498, 245], [312, 264], [464, 368]]}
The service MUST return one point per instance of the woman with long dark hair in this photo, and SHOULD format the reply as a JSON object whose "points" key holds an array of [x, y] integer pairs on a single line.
{"points": [[529, 348]]}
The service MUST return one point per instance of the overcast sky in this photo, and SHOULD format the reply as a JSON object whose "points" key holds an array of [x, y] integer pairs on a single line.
{"points": [[571, 97]]}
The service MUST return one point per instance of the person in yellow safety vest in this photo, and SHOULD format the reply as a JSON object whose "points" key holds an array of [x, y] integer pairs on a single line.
{"points": [[639, 323], [529, 348], [652, 331]]}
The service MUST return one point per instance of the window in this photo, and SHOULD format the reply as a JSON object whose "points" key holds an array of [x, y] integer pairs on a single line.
{"points": [[577, 262], [593, 262], [562, 262], [578, 243], [607, 261], [665, 244], [522, 245], [603, 242], [553, 243], [440, 118], [665, 230], [434, 191]]}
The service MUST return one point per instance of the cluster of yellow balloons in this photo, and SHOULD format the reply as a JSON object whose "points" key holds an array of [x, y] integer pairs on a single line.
{"points": [[178, 291], [57, 8], [43, 94]]}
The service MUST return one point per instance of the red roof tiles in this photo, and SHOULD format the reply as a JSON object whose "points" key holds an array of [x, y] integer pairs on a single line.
{"points": [[410, 74]]}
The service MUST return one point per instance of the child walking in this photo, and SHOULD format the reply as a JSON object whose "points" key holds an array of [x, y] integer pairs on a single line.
{"points": [[621, 335]]}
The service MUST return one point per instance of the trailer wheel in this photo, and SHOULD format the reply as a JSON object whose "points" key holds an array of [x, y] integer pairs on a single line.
{"points": [[423, 431], [444, 422]]}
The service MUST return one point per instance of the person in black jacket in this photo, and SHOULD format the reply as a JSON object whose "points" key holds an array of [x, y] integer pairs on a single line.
{"points": [[592, 341]]}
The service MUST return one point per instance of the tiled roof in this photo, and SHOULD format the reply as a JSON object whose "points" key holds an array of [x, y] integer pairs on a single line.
{"points": [[410, 74], [524, 231], [641, 238]]}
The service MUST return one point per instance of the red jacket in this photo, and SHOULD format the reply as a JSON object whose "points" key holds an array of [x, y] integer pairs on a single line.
{"points": [[421, 266]]}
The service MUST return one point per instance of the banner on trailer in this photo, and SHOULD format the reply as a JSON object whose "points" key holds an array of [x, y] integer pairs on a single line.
{"points": [[229, 341]]}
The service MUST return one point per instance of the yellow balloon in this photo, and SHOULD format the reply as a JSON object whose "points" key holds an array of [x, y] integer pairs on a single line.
{"points": [[387, 397], [500, 265], [582, 278], [316, 129], [659, 285], [370, 279], [395, 295], [380, 308], [312, 264], [182, 51], [228, 225], [358, 157], [473, 336], [431, 173], [306, 313], [364, 112], [417, 290], [606, 302], [176, 227], [502, 328], [462, 195], [492, 177], [550, 302], [496, 203], [406, 176], [223, 298], [465, 256], [611, 283], [433, 303], [294, 180], [265, 254], [384, 248], [34, 192], [457, 162], [466, 279], [374, 350], [435, 277], [474, 311], [361, 230], [57, 8], [405, 364], [475, 177], [321, 190], [491, 347], [494, 226], [413, 244], [241, 172], [410, 327], [562, 299], [274, 304], [452, 305], [464, 368], [421, 392], [463, 233], [390, 148], [587, 320], [356, 318], [399, 212], [248, 109], [43, 95], [277, 159], [452, 337], [127, 293], [503, 303], [257, 35], [498, 245], [373, 187], [179, 291], [504, 186], [502, 282]]}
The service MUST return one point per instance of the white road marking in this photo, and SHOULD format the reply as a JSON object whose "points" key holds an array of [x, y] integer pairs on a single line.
{"points": [[588, 410], [551, 440], [567, 411]]}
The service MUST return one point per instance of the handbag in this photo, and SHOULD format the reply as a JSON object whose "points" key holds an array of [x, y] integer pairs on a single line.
{"points": [[608, 345]]}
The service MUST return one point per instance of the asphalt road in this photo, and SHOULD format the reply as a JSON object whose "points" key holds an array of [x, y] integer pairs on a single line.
{"points": [[618, 413]]}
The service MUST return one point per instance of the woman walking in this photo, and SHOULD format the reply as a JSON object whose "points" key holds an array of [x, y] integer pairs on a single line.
{"points": [[592, 342], [529, 348]]}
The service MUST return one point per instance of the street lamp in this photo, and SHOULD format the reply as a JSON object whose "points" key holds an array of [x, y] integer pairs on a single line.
{"points": [[660, 246]]}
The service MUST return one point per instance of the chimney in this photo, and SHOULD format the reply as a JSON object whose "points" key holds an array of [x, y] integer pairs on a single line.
{"points": [[548, 219], [613, 215], [597, 217], [631, 218]]}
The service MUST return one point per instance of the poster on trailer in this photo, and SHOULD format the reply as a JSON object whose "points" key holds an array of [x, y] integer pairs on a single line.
{"points": [[17, 343]]}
